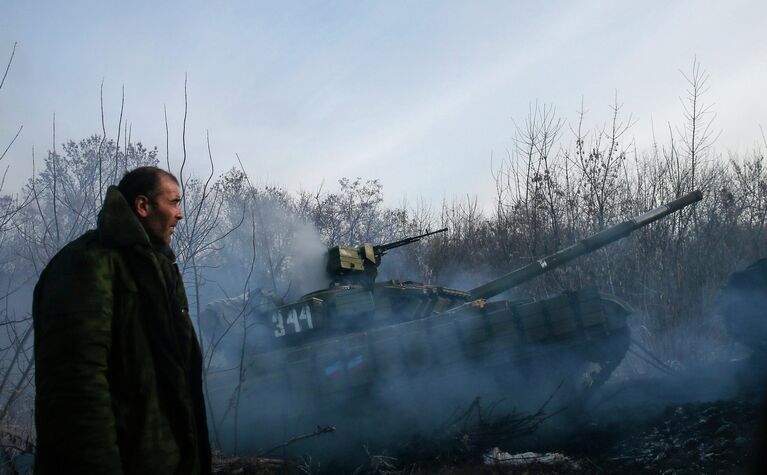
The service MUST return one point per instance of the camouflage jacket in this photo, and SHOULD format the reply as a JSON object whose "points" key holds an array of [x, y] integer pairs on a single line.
{"points": [[118, 366]]}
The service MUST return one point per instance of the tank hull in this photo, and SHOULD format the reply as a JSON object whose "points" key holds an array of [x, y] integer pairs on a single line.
{"points": [[407, 378]]}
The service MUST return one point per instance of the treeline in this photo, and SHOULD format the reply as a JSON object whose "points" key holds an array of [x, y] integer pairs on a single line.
{"points": [[559, 183]]}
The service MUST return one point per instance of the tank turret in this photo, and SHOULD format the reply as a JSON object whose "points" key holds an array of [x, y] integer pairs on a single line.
{"points": [[348, 265]]}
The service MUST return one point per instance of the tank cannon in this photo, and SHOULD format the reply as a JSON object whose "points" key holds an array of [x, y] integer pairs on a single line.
{"points": [[585, 246]]}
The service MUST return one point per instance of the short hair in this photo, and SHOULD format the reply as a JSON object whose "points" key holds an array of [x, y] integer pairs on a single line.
{"points": [[142, 181]]}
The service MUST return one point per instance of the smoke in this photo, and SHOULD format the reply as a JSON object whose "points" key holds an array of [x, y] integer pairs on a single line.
{"points": [[385, 414], [307, 261], [284, 390], [393, 382], [425, 373], [714, 357]]}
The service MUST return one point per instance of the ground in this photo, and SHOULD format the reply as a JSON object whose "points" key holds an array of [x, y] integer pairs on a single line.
{"points": [[648, 432]]}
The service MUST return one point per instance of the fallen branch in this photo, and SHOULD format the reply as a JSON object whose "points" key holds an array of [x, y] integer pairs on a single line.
{"points": [[317, 432], [468, 434]]}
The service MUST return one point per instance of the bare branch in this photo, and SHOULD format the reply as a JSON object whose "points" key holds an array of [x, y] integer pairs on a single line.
{"points": [[8, 66]]}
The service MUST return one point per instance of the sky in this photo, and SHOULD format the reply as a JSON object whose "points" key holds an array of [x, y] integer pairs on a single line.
{"points": [[421, 95]]}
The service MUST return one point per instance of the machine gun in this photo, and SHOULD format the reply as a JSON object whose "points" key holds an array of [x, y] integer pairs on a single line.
{"points": [[382, 249], [359, 265]]}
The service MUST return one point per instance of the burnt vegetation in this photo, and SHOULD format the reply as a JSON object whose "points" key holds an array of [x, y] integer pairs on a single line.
{"points": [[560, 182]]}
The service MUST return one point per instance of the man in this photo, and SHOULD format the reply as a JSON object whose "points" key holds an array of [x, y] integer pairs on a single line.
{"points": [[118, 367]]}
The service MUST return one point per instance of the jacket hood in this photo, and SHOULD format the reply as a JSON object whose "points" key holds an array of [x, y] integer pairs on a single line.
{"points": [[117, 224]]}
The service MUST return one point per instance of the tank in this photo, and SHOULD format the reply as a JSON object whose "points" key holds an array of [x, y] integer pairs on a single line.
{"points": [[383, 360], [743, 304]]}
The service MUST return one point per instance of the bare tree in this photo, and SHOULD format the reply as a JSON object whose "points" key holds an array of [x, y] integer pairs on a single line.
{"points": [[15, 348]]}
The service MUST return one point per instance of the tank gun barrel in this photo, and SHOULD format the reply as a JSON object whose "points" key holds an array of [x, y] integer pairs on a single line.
{"points": [[382, 249], [582, 247]]}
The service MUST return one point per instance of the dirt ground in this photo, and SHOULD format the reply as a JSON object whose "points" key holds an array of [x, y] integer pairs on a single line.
{"points": [[643, 434]]}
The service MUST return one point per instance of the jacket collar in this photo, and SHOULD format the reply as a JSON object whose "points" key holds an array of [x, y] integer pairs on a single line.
{"points": [[117, 224], [165, 250]]}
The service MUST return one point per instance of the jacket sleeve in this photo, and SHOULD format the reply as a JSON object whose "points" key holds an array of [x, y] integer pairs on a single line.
{"points": [[72, 311]]}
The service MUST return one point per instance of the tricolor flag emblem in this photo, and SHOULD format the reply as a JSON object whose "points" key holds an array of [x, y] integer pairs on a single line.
{"points": [[354, 364]]}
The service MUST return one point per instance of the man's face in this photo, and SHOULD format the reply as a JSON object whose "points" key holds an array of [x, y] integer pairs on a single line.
{"points": [[160, 215]]}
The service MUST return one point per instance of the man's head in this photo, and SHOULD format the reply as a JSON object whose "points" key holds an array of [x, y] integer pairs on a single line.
{"points": [[155, 197]]}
